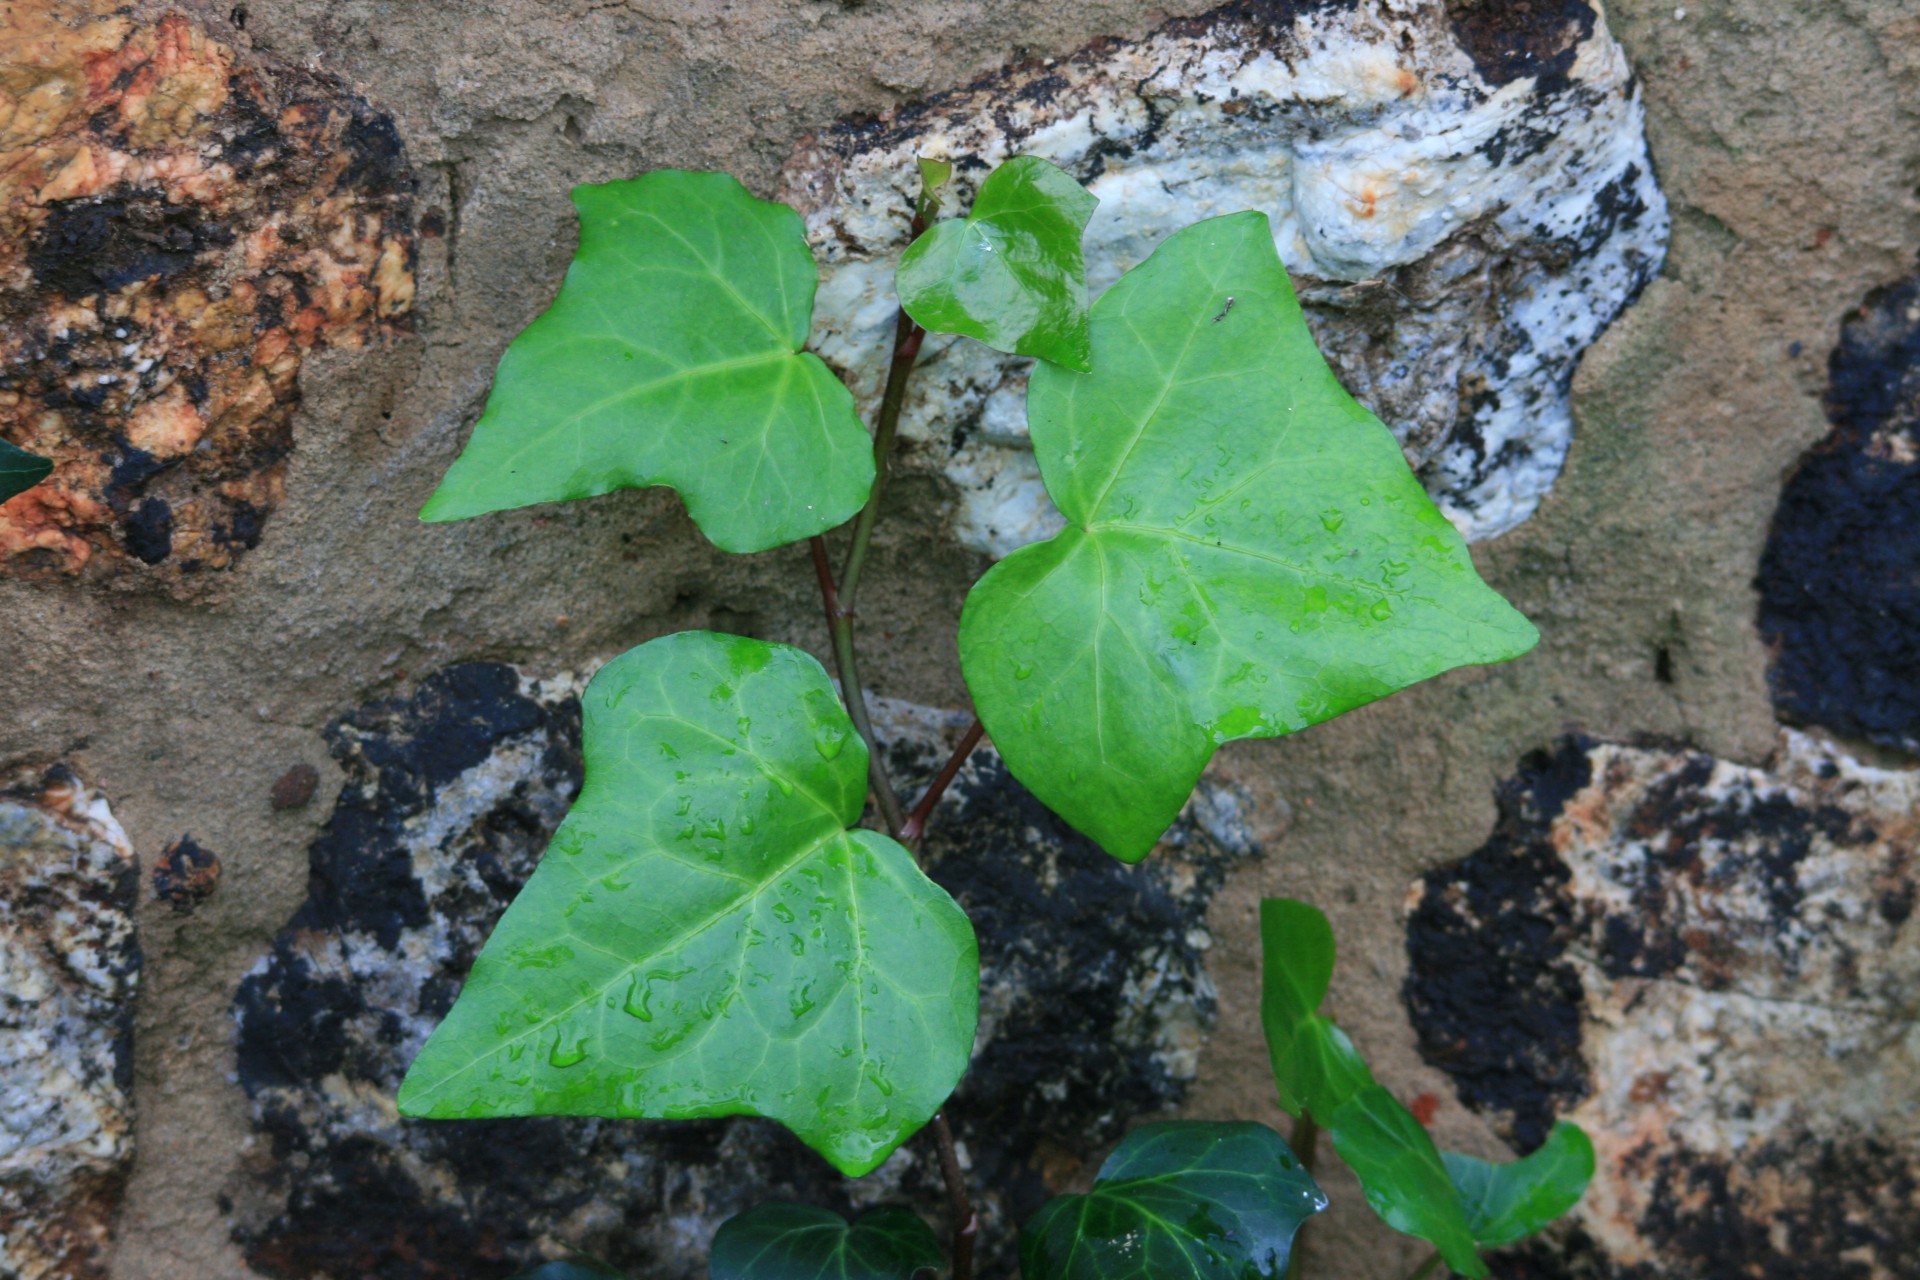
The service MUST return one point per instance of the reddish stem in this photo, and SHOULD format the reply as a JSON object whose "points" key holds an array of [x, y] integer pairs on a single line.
{"points": [[917, 820]]}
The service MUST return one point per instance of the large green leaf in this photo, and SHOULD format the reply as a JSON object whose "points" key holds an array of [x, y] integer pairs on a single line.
{"points": [[673, 356], [1315, 1066], [705, 937], [1399, 1169], [20, 470], [1509, 1202], [1011, 273], [780, 1241], [1246, 554], [1186, 1200]]}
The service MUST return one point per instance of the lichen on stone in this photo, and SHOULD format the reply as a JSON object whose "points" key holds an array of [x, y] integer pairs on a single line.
{"points": [[1715, 970], [69, 969], [1462, 194], [180, 224], [1095, 1002]]}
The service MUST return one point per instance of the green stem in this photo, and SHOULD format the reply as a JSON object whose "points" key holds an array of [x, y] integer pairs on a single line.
{"points": [[1306, 1143], [907, 337], [847, 662], [1426, 1268]]}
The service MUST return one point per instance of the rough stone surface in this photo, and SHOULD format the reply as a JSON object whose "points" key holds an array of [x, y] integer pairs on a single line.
{"points": [[1784, 133], [1715, 970], [1095, 1007], [1465, 201], [179, 226], [69, 966], [1840, 580]]}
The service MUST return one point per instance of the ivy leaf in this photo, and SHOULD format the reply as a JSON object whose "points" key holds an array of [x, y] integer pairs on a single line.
{"points": [[1011, 273], [781, 1241], [20, 470], [673, 356], [705, 937], [1400, 1170], [934, 174], [1246, 553], [1315, 1066], [1508, 1202], [1185, 1200], [1317, 1070]]}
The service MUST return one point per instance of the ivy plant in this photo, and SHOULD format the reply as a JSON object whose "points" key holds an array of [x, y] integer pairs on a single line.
{"points": [[717, 930], [1458, 1203]]}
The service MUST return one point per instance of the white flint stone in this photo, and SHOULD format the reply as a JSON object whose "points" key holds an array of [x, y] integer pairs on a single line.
{"points": [[1457, 244]]}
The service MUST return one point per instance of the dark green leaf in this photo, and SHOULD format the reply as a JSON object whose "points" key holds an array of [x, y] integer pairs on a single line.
{"points": [[1315, 1066], [1247, 552], [673, 356], [570, 1270], [780, 1241], [1509, 1202], [20, 470], [705, 937], [1399, 1168], [1011, 273], [1180, 1201]]}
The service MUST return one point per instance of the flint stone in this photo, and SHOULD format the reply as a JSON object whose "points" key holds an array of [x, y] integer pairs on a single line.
{"points": [[69, 970], [1094, 1005], [1715, 970], [1463, 195]]}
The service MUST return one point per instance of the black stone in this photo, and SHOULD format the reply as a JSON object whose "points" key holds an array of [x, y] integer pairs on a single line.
{"points": [[1839, 581]]}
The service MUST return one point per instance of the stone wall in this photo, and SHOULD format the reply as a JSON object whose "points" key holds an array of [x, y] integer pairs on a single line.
{"points": [[1637, 289]]}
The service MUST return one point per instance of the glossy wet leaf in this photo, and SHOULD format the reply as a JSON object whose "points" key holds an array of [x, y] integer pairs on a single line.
{"points": [[20, 470], [1186, 1200], [1315, 1066], [1246, 554], [781, 1241], [1508, 1202], [1011, 273], [571, 1269], [673, 356], [1400, 1170], [705, 937]]}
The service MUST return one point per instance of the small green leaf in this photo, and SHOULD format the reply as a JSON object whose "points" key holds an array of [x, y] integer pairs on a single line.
{"points": [[1246, 554], [780, 1241], [673, 356], [1317, 1070], [1011, 273], [570, 1270], [20, 470], [934, 174], [1186, 1200], [705, 937], [1315, 1066], [1508, 1202], [1399, 1168]]}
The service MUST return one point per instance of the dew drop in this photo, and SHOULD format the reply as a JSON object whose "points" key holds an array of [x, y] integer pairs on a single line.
{"points": [[1382, 609], [1021, 670], [830, 742], [1332, 518], [564, 1055]]}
